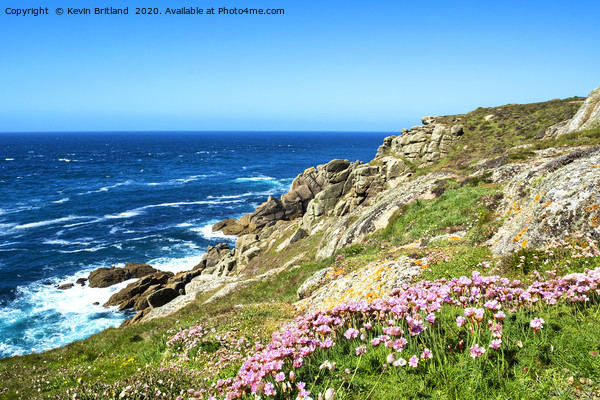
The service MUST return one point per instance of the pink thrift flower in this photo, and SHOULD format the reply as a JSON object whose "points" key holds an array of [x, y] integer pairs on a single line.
{"points": [[360, 350], [426, 354], [460, 321], [270, 389], [430, 318], [479, 312], [414, 361], [279, 377], [477, 351], [351, 333], [536, 324], [303, 392], [495, 344], [500, 316]]}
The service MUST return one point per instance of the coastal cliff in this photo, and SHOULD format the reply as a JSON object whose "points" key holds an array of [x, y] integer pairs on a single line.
{"points": [[356, 255], [335, 206]]}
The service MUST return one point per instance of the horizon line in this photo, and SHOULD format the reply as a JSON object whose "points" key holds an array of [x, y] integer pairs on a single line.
{"points": [[204, 131]]}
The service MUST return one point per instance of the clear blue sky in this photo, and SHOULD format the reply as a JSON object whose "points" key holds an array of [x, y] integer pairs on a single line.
{"points": [[324, 65]]}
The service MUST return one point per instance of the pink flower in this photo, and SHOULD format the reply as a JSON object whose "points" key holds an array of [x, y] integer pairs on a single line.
{"points": [[279, 377], [430, 318], [479, 312], [500, 316], [536, 324], [270, 389], [426, 354], [477, 351], [495, 344], [360, 350], [460, 321], [414, 361], [351, 333], [303, 392]]}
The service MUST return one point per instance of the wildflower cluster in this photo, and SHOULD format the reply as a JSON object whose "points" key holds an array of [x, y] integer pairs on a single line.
{"points": [[399, 321], [201, 342]]}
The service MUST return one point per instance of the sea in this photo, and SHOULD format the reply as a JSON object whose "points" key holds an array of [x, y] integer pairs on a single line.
{"points": [[73, 202]]}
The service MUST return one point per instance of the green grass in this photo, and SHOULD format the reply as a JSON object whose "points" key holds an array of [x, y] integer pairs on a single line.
{"points": [[551, 364], [457, 209], [512, 125]]}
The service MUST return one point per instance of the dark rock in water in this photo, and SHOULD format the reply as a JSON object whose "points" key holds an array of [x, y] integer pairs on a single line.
{"points": [[162, 297], [96, 303], [65, 286], [104, 277], [135, 294], [81, 281]]}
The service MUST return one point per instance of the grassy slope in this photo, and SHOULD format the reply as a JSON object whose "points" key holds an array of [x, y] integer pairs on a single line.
{"points": [[133, 356]]}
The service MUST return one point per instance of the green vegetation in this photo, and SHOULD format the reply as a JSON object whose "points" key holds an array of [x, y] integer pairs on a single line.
{"points": [[508, 130]]}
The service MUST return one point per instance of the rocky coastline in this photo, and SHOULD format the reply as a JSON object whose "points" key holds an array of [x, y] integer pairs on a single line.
{"points": [[336, 205]]}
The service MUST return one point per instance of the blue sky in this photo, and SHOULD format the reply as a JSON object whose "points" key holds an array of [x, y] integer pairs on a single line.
{"points": [[324, 65]]}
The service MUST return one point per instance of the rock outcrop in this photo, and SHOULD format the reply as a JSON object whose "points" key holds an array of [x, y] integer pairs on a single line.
{"points": [[104, 277], [551, 201], [421, 145], [588, 117], [367, 283], [550, 195], [135, 295]]}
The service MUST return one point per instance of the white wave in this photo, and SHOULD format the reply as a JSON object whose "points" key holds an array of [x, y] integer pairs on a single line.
{"points": [[63, 200], [76, 315], [183, 225], [107, 188], [180, 181], [126, 214], [176, 265], [233, 196], [88, 250], [255, 179], [50, 222], [137, 211], [9, 159], [59, 242], [207, 232]]}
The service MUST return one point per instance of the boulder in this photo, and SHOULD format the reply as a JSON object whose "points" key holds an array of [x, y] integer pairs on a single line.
{"points": [[298, 235], [134, 294], [336, 165], [313, 283], [213, 256], [372, 281], [81, 281], [104, 277], [587, 117], [428, 120], [547, 203], [162, 297], [229, 226], [65, 286]]}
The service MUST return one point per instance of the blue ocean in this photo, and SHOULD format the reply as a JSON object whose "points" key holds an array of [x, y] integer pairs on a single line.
{"points": [[74, 202]]}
